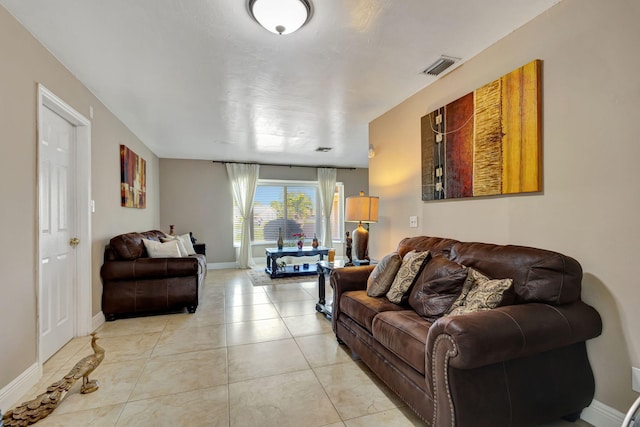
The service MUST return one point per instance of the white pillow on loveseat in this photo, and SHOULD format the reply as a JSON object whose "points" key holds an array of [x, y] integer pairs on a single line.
{"points": [[185, 243], [168, 249]]}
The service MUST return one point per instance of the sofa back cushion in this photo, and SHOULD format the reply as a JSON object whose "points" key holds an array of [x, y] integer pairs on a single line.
{"points": [[129, 246], [435, 245], [538, 275]]}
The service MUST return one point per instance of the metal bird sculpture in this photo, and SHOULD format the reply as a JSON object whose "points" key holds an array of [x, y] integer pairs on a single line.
{"points": [[34, 410]]}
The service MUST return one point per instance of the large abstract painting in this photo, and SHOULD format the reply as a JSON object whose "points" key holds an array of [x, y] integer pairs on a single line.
{"points": [[486, 143], [133, 179]]}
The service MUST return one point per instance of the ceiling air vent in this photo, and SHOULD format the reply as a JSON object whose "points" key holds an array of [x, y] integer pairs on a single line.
{"points": [[323, 149], [440, 65]]}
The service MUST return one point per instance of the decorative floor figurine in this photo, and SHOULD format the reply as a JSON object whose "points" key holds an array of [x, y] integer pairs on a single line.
{"points": [[34, 410]]}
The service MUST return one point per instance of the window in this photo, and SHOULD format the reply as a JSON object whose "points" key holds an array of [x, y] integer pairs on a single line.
{"points": [[292, 207]]}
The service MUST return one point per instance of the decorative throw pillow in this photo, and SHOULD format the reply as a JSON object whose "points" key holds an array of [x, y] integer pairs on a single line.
{"points": [[481, 293], [437, 287], [382, 276], [412, 265], [183, 250], [162, 250], [185, 239]]}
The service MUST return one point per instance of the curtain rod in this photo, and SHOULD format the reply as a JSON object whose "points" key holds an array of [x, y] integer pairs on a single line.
{"points": [[290, 166]]}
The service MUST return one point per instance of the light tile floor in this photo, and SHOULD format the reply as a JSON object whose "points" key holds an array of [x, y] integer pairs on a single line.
{"points": [[249, 356]]}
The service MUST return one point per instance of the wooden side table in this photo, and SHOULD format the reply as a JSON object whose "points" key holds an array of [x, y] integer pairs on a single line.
{"points": [[325, 267]]}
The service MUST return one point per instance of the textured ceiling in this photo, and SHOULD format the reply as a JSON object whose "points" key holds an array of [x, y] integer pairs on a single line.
{"points": [[200, 79]]}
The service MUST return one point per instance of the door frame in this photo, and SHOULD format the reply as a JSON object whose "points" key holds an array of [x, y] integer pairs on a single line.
{"points": [[82, 295]]}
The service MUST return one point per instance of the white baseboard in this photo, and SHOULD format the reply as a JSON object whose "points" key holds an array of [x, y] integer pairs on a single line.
{"points": [[20, 386], [97, 321], [601, 415], [221, 265]]}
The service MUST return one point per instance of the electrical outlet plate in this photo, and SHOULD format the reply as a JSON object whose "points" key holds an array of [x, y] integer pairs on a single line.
{"points": [[635, 379], [413, 222]]}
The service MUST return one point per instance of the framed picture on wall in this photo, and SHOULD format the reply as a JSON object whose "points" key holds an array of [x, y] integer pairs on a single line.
{"points": [[133, 179], [488, 142]]}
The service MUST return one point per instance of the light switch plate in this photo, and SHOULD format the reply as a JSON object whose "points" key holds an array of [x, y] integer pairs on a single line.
{"points": [[635, 379], [413, 222]]}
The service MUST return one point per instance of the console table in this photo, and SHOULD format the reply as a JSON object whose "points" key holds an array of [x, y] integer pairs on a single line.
{"points": [[274, 253]]}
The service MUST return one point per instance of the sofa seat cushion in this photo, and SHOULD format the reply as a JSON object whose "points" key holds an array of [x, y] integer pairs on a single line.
{"points": [[362, 308], [405, 334]]}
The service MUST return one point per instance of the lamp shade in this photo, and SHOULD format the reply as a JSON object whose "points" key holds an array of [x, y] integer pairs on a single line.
{"points": [[362, 208], [280, 16]]}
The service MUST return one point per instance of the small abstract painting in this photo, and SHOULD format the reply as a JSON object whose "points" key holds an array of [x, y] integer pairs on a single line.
{"points": [[133, 179], [487, 142]]}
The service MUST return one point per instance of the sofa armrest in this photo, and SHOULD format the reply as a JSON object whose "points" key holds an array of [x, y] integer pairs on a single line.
{"points": [[351, 278], [347, 279], [512, 332], [149, 268]]}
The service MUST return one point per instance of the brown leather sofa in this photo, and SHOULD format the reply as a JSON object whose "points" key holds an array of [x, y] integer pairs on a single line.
{"points": [[514, 365], [134, 284]]}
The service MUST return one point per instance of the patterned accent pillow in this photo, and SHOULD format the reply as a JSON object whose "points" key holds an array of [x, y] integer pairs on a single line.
{"points": [[479, 293], [412, 265], [382, 276]]}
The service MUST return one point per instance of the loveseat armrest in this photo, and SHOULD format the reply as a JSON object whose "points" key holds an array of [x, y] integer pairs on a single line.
{"points": [[149, 268], [512, 332]]}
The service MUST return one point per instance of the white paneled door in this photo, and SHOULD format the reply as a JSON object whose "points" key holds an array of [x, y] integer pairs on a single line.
{"points": [[58, 239]]}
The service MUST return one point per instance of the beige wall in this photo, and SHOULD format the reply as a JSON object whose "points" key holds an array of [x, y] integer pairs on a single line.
{"points": [[196, 196], [589, 206], [25, 63]]}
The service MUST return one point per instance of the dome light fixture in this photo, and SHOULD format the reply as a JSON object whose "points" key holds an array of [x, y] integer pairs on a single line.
{"points": [[280, 16]]}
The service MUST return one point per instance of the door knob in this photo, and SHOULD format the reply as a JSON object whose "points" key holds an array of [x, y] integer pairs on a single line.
{"points": [[74, 241]]}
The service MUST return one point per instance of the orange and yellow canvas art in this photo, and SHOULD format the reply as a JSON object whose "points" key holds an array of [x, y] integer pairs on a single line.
{"points": [[133, 179], [487, 142]]}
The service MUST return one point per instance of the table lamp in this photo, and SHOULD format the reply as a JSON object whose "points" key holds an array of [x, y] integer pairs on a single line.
{"points": [[361, 209]]}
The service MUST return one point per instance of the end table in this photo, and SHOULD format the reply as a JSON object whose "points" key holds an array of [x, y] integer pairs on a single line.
{"points": [[325, 267]]}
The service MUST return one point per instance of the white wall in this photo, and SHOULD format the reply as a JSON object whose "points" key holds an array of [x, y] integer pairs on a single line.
{"points": [[591, 198]]}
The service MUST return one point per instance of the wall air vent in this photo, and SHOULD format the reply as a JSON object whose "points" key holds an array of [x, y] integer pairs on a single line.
{"points": [[440, 65], [323, 149]]}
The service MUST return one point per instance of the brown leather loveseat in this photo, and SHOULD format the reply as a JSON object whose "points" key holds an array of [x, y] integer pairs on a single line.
{"points": [[515, 365], [133, 283]]}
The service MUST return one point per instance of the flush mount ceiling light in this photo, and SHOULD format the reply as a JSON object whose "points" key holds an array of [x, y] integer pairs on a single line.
{"points": [[281, 16]]}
